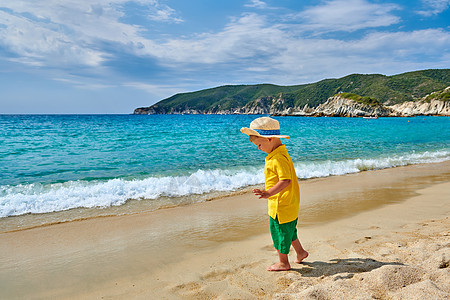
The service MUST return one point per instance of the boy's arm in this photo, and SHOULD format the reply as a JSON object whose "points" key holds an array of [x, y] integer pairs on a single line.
{"points": [[278, 187]]}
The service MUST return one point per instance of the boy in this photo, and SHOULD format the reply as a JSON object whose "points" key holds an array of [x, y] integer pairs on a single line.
{"points": [[281, 189]]}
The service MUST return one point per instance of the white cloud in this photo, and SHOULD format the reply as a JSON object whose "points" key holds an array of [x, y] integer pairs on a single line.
{"points": [[250, 48], [82, 83], [245, 37], [382, 52], [261, 51], [268, 52], [55, 33], [347, 15], [257, 4], [423, 42], [251, 36], [40, 45], [434, 7], [164, 13]]}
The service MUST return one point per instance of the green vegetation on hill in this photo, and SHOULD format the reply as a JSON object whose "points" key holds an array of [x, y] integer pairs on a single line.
{"points": [[373, 89], [364, 100], [441, 95], [220, 98]]}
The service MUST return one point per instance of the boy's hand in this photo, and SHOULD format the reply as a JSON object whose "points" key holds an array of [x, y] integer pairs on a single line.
{"points": [[278, 187], [262, 193]]}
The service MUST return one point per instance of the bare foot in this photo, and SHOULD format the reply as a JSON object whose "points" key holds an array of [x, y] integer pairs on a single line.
{"points": [[279, 267], [301, 257]]}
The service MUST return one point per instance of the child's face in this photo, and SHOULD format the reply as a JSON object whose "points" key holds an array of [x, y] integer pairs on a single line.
{"points": [[263, 144]]}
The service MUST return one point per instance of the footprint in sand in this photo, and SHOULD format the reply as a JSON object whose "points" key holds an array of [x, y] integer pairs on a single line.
{"points": [[191, 286], [363, 240], [216, 276]]}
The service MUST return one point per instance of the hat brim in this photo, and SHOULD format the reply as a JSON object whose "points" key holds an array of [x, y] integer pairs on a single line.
{"points": [[249, 132]]}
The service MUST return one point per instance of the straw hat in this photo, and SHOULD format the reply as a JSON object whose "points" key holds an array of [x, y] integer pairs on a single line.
{"points": [[264, 127]]}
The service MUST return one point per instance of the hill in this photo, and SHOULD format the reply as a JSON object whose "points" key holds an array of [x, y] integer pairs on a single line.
{"points": [[269, 98]]}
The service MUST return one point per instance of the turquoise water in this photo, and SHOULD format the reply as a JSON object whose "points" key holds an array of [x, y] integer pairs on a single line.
{"points": [[58, 162]]}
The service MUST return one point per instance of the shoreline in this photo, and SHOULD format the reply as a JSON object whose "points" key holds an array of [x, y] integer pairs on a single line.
{"points": [[132, 206], [181, 252]]}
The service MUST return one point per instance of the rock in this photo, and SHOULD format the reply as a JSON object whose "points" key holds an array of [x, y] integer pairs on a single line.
{"points": [[338, 106], [422, 107]]}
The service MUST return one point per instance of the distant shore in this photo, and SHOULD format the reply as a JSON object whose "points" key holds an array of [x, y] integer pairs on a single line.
{"points": [[351, 225], [350, 96]]}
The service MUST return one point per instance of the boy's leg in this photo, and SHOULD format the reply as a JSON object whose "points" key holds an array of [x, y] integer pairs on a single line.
{"points": [[301, 253], [282, 236], [283, 265]]}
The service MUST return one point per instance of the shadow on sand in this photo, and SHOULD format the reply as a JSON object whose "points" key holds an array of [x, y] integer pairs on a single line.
{"points": [[347, 267]]}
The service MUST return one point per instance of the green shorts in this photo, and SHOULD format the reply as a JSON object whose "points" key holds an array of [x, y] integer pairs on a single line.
{"points": [[283, 234]]}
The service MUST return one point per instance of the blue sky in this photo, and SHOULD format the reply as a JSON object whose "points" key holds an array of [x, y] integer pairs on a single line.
{"points": [[111, 56]]}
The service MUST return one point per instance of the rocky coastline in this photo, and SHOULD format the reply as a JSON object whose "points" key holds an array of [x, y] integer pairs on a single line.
{"points": [[335, 106], [340, 107]]}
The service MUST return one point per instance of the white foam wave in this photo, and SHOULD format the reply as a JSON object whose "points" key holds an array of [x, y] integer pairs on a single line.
{"points": [[328, 168], [39, 198]]}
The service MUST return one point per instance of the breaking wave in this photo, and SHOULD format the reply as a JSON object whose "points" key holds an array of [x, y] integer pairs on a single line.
{"points": [[44, 198]]}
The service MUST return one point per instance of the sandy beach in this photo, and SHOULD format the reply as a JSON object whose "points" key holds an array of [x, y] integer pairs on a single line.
{"points": [[373, 235]]}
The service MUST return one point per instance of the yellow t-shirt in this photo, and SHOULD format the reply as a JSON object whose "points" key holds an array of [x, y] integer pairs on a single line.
{"points": [[286, 203]]}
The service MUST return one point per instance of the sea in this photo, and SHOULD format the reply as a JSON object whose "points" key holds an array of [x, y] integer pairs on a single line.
{"points": [[93, 165]]}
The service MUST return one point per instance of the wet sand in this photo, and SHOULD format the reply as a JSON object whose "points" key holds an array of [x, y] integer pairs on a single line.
{"points": [[221, 248]]}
